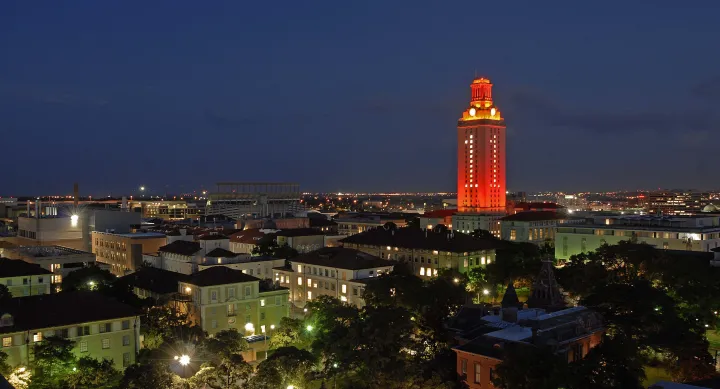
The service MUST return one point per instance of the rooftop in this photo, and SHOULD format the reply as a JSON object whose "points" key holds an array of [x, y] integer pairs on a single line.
{"points": [[62, 309], [533, 216], [342, 258], [249, 236], [49, 251], [416, 238], [155, 280], [537, 205], [221, 253], [290, 232], [212, 237], [441, 213], [181, 247], [19, 268], [142, 235], [219, 275]]}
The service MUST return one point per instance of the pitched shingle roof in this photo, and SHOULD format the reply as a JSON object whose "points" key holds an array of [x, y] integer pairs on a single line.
{"points": [[299, 232], [155, 280], [342, 258], [416, 238], [221, 253], [181, 247], [19, 268], [219, 275], [62, 309], [533, 216]]}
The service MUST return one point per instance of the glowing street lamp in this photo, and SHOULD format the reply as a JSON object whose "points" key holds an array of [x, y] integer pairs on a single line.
{"points": [[309, 327], [456, 280], [486, 292], [184, 360], [74, 220]]}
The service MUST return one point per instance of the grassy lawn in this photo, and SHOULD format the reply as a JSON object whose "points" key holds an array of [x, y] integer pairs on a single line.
{"points": [[655, 374], [714, 338]]}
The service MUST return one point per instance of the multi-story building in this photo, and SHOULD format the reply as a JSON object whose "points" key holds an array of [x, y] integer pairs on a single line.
{"points": [[355, 223], [689, 233], [252, 200], [23, 278], [332, 271], [468, 222], [155, 283], [535, 227], [60, 261], [179, 256], [245, 241], [50, 231], [426, 251], [260, 267], [101, 327], [441, 216], [212, 241], [222, 298], [676, 203], [167, 209], [481, 152], [123, 252], [301, 239]]}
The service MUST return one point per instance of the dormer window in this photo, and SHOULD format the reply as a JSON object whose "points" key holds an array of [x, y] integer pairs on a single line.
{"points": [[6, 320]]}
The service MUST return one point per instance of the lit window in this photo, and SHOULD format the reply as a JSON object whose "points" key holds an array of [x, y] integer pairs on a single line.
{"points": [[309, 295], [299, 268], [422, 271], [299, 280], [471, 136], [38, 337], [262, 303], [343, 298], [83, 346], [7, 341], [466, 141], [344, 288], [309, 282], [106, 343]]}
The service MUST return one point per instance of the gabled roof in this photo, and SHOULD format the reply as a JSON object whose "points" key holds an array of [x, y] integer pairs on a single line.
{"points": [[341, 258], [416, 238], [249, 236], [155, 280], [221, 253], [62, 309], [212, 237], [181, 247], [510, 298], [219, 275], [440, 213], [19, 268]]}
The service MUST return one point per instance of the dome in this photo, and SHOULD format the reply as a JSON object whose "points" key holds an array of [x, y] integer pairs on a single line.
{"points": [[711, 208]]}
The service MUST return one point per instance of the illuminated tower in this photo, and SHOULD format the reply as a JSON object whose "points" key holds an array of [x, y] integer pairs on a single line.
{"points": [[481, 153]]}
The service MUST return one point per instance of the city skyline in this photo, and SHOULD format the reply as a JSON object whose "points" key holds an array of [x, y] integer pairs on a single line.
{"points": [[185, 98]]}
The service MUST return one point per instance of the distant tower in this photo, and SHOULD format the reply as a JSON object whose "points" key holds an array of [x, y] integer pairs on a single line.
{"points": [[545, 290], [481, 152]]}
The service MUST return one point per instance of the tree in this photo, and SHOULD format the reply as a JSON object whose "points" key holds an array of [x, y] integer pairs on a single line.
{"points": [[286, 366], [615, 363], [267, 246], [5, 368], [289, 333], [87, 278], [92, 373], [53, 362], [482, 234], [225, 343], [5, 294], [155, 375], [165, 324]]}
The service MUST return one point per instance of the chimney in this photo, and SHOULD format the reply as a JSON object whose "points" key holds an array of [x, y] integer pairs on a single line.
{"points": [[124, 203], [37, 208], [27, 204], [76, 194]]}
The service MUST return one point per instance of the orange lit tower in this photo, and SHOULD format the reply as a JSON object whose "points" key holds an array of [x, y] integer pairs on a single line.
{"points": [[481, 153]]}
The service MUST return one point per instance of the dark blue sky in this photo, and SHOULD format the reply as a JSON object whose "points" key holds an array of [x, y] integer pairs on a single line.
{"points": [[360, 95]]}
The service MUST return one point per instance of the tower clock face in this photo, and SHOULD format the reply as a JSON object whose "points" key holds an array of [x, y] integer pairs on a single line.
{"points": [[472, 111]]}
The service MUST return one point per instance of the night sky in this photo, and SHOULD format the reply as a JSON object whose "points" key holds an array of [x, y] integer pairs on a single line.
{"points": [[354, 96]]}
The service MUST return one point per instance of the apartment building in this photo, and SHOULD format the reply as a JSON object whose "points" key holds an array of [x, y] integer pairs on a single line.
{"points": [[221, 298], [60, 261], [426, 251], [123, 252], [245, 241], [23, 278], [100, 326], [301, 239], [355, 223], [533, 226], [688, 233], [332, 271], [260, 267]]}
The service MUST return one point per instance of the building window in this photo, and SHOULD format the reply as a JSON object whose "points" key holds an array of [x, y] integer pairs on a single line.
{"points": [[126, 359], [262, 303], [344, 288], [299, 268], [213, 295], [422, 271], [300, 281], [666, 245], [463, 366], [38, 337], [64, 333], [126, 324], [309, 295], [126, 340], [213, 324], [106, 343], [231, 292], [83, 330], [277, 300], [332, 287], [231, 310], [83, 346], [513, 234], [106, 327], [40, 280], [7, 341], [355, 292], [262, 315], [478, 367]]}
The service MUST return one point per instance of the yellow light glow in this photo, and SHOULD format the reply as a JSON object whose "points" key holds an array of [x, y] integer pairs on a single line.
{"points": [[187, 289], [472, 111], [492, 112], [74, 220], [185, 360]]}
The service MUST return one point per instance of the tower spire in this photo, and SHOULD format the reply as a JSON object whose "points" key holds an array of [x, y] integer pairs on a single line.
{"points": [[545, 290]]}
